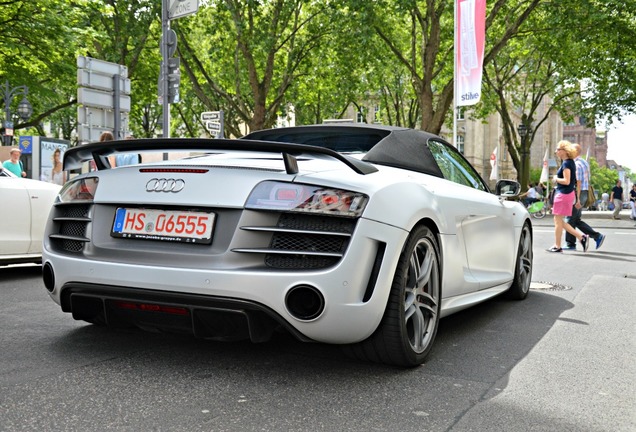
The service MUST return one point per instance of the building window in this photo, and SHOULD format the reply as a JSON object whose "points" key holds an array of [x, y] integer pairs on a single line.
{"points": [[459, 141], [460, 114]]}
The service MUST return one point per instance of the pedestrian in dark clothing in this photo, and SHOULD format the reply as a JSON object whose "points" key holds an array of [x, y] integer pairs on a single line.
{"points": [[582, 189], [632, 202], [617, 199]]}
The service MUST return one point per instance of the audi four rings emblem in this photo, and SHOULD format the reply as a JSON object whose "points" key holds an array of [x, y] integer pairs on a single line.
{"points": [[165, 185]]}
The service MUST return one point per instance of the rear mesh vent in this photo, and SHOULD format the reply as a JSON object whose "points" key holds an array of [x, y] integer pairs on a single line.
{"points": [[295, 262], [316, 223], [72, 221], [302, 241], [310, 243]]}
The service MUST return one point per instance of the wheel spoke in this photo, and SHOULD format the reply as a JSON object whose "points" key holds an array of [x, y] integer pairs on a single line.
{"points": [[421, 296], [525, 259], [425, 270], [419, 327]]}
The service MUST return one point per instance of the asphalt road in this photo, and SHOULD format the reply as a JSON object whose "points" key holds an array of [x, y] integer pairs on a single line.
{"points": [[562, 360]]}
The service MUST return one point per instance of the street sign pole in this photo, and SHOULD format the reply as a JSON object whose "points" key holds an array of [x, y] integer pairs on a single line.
{"points": [[165, 28], [117, 106], [214, 122]]}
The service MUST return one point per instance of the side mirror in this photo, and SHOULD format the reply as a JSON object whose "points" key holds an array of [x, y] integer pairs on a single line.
{"points": [[507, 188]]}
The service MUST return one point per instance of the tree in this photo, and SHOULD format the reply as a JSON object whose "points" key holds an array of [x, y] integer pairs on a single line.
{"points": [[531, 86], [248, 54], [128, 32], [419, 35], [603, 178], [534, 77], [37, 44]]}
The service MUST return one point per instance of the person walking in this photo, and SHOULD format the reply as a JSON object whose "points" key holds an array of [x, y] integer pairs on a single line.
{"points": [[617, 199], [14, 164], [604, 201], [632, 201], [564, 197], [583, 180]]}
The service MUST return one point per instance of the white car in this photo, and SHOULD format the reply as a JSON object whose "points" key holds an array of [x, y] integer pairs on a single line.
{"points": [[363, 236], [25, 209]]}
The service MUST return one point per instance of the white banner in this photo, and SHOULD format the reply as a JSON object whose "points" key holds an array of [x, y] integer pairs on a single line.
{"points": [[544, 170], [470, 35], [494, 173]]}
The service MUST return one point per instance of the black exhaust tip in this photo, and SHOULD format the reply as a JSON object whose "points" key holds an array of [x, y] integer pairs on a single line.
{"points": [[48, 276], [305, 302]]}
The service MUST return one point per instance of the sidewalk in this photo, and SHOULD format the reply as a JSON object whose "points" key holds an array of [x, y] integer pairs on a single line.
{"points": [[596, 219]]}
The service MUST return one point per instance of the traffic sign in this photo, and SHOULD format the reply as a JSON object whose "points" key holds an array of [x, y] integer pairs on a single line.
{"points": [[101, 99], [101, 66], [213, 126], [211, 115], [172, 42], [96, 80], [181, 8], [8, 128], [99, 117], [87, 133]]}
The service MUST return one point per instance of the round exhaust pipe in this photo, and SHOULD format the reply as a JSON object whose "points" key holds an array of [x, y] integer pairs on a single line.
{"points": [[305, 302], [48, 276]]}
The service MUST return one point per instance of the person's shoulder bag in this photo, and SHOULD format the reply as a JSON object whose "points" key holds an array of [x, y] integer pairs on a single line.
{"points": [[591, 197]]}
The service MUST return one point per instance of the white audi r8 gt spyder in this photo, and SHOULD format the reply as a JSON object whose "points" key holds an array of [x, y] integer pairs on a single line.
{"points": [[363, 236], [26, 204]]}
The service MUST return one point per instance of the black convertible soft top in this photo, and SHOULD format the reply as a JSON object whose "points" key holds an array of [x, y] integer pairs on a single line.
{"points": [[384, 145]]}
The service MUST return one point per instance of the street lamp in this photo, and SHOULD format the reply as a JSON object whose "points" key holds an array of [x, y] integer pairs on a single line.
{"points": [[523, 130], [523, 133], [24, 109]]}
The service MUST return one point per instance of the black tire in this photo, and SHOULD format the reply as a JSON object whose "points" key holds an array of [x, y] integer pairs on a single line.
{"points": [[408, 328], [523, 267]]}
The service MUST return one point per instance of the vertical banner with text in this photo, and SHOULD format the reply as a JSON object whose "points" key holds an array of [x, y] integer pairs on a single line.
{"points": [[470, 25]]}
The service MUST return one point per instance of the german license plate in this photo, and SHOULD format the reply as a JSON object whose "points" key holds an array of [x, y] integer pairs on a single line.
{"points": [[165, 225]]}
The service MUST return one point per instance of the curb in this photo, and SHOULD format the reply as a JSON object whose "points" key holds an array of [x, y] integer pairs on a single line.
{"points": [[596, 219]]}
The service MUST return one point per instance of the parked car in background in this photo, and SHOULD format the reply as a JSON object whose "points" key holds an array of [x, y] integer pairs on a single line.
{"points": [[363, 236], [25, 209]]}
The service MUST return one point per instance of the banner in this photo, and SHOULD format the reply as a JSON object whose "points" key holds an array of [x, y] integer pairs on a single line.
{"points": [[470, 35], [544, 170], [494, 173]]}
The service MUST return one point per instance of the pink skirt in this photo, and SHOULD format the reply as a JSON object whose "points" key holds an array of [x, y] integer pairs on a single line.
{"points": [[563, 203]]}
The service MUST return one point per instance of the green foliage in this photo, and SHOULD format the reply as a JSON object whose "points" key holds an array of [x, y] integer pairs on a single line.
{"points": [[603, 179], [560, 62], [535, 175], [253, 59]]}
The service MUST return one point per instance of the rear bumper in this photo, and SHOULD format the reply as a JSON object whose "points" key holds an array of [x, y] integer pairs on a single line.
{"points": [[205, 317], [355, 291]]}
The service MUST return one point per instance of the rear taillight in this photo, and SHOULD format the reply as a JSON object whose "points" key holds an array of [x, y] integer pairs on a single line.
{"points": [[272, 195], [79, 190]]}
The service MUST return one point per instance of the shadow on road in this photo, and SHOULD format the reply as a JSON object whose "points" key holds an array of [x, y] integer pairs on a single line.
{"points": [[88, 372], [482, 344]]}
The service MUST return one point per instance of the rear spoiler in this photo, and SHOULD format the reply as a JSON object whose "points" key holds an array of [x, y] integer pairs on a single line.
{"points": [[99, 151]]}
